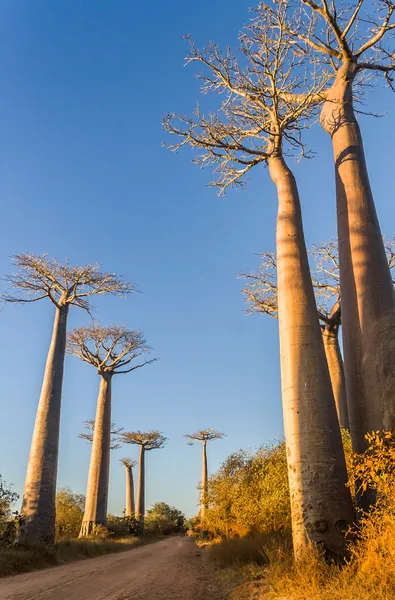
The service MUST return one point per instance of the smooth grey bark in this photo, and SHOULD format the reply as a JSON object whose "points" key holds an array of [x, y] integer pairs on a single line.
{"points": [[38, 506], [130, 507], [97, 490], [320, 501], [367, 291], [140, 499]]}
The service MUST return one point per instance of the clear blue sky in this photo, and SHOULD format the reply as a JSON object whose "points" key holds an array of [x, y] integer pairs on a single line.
{"points": [[83, 175]]}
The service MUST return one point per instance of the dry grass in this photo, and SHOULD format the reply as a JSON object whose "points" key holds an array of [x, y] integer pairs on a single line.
{"points": [[18, 559]]}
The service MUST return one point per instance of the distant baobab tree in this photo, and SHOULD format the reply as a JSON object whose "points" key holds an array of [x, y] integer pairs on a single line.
{"points": [[148, 440], [353, 41], [261, 296], [255, 124], [130, 507], [111, 350], [203, 436], [114, 434], [65, 285]]}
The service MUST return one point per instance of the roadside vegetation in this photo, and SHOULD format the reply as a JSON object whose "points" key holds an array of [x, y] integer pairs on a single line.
{"points": [[120, 533], [253, 557]]}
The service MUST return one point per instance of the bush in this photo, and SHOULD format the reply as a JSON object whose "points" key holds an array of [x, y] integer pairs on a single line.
{"points": [[7, 498], [69, 513], [163, 519], [249, 494]]}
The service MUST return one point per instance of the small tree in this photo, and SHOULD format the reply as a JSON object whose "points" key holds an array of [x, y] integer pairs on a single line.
{"points": [[114, 434], [112, 351], [69, 513], [203, 436], [164, 519], [130, 507], [65, 285], [149, 440]]}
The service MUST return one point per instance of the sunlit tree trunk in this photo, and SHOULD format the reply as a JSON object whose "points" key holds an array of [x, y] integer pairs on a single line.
{"points": [[336, 372], [140, 499], [97, 490], [203, 492], [38, 507], [320, 502], [130, 508], [367, 292]]}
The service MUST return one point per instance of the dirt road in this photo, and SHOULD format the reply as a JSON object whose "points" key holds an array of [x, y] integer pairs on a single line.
{"points": [[168, 570]]}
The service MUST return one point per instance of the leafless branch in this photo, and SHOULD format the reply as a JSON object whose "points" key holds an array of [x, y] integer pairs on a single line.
{"points": [[90, 426], [204, 435], [109, 349], [151, 440], [39, 277]]}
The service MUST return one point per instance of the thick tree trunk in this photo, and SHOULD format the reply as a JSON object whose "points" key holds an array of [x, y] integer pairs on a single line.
{"points": [[320, 501], [203, 492], [336, 372], [130, 508], [365, 281], [140, 500], [99, 469], [38, 507]]}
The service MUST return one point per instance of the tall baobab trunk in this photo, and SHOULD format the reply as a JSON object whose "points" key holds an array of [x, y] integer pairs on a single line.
{"points": [[129, 508], [320, 502], [38, 507], [140, 500], [365, 281], [330, 337], [203, 493], [97, 490]]}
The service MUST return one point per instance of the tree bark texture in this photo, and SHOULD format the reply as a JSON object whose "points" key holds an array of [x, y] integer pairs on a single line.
{"points": [[99, 469], [38, 506], [367, 294], [130, 507], [140, 500], [320, 501], [336, 372], [203, 492]]}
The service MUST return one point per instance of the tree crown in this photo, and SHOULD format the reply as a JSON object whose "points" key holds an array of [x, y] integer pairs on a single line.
{"points": [[150, 440], [204, 435], [88, 435], [39, 277], [256, 119], [261, 290], [110, 349], [341, 32], [128, 462]]}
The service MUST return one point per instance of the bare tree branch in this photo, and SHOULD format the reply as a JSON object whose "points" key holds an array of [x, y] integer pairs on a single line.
{"points": [[151, 440], [115, 431], [109, 348], [38, 277]]}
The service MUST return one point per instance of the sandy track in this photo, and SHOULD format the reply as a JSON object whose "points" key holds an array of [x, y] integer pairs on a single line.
{"points": [[168, 570]]}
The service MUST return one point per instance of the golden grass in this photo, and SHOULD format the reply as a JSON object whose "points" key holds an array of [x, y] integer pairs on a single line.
{"points": [[21, 559]]}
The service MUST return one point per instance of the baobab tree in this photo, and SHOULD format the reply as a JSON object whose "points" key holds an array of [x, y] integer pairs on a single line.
{"points": [[148, 440], [65, 285], [130, 508], [114, 434], [112, 351], [355, 42], [261, 296], [203, 436], [256, 125]]}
